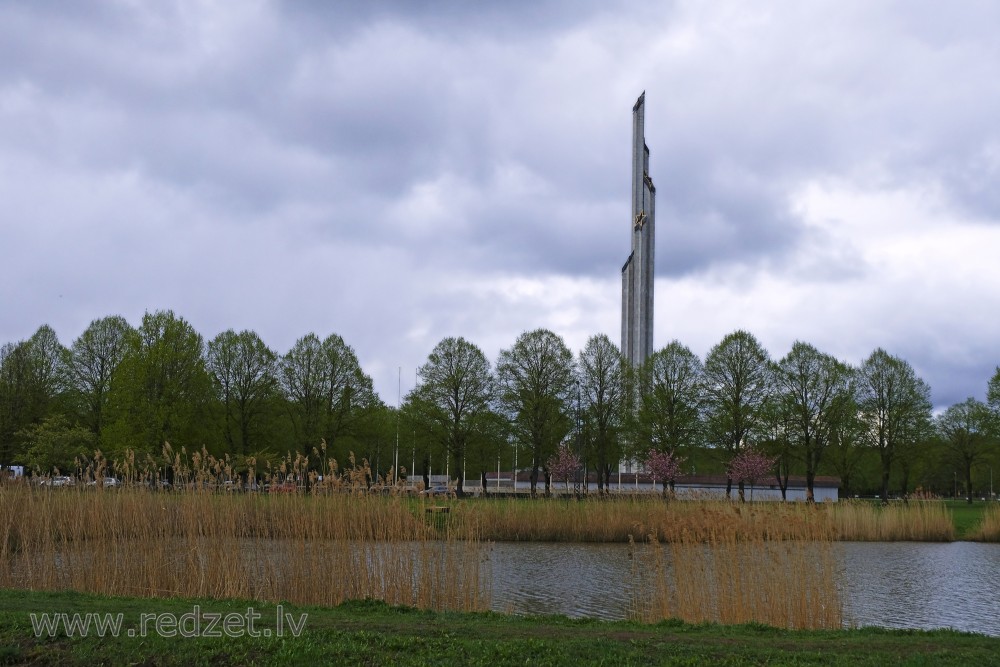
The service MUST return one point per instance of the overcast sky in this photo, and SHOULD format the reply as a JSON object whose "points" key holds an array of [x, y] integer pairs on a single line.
{"points": [[825, 171]]}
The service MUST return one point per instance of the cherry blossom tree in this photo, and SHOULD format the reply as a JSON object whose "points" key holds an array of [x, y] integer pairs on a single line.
{"points": [[750, 466], [664, 467], [563, 464]]}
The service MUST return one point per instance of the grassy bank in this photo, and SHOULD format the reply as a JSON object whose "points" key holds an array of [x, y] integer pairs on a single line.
{"points": [[375, 634]]}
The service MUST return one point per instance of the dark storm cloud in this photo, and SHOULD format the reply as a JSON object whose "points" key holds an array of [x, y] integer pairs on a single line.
{"points": [[404, 159], [513, 19]]}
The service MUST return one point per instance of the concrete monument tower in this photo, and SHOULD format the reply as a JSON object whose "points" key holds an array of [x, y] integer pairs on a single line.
{"points": [[637, 274]]}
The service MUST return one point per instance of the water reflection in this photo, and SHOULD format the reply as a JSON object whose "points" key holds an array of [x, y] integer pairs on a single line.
{"points": [[907, 585], [577, 580], [897, 584]]}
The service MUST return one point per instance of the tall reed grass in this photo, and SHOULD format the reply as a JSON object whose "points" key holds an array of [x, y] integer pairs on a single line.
{"points": [[914, 521], [645, 517], [326, 542], [989, 529], [309, 550], [791, 584]]}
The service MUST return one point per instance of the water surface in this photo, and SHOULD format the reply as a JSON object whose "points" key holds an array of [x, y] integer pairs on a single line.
{"points": [[888, 584]]}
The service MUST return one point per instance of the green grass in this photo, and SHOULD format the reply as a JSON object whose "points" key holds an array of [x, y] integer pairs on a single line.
{"points": [[966, 517], [370, 633]]}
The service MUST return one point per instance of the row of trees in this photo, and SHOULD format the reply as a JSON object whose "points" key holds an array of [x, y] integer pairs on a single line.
{"points": [[118, 388], [808, 410]]}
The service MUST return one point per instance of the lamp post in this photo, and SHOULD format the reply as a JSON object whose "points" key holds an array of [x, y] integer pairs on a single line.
{"points": [[579, 441], [399, 396]]}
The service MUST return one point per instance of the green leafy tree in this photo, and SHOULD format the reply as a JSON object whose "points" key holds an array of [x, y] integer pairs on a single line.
{"points": [[452, 401], [536, 389], [55, 446], [302, 377], [670, 415], [964, 429], [993, 402], [91, 364], [31, 386], [350, 407], [815, 388], [602, 395], [848, 450], [17, 400], [244, 374], [738, 382], [777, 436], [162, 390], [48, 357], [894, 406], [330, 398]]}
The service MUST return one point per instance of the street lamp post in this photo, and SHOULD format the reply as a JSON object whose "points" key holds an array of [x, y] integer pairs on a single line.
{"points": [[399, 396], [579, 441]]}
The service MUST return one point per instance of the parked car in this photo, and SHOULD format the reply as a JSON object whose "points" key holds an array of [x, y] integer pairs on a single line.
{"points": [[61, 480], [436, 491], [106, 482]]}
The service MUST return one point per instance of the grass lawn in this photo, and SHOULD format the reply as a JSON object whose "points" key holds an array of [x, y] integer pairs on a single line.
{"points": [[966, 517], [370, 633]]}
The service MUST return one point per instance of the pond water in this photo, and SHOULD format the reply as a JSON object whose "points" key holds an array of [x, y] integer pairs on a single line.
{"points": [[887, 584]]}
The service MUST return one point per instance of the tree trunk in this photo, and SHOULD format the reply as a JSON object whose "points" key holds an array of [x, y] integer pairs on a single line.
{"points": [[885, 484]]}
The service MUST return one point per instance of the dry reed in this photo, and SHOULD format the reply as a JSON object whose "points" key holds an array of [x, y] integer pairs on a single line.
{"points": [[308, 550], [322, 541], [917, 521], [649, 517], [989, 529], [791, 584]]}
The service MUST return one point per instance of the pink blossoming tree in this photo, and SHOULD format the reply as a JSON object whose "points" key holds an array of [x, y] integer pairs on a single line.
{"points": [[564, 464], [750, 466], [664, 466]]}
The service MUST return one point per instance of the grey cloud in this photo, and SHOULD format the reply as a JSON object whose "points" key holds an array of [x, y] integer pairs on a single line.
{"points": [[287, 133]]}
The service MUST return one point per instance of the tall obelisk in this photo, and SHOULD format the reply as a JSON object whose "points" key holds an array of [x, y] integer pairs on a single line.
{"points": [[637, 274]]}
